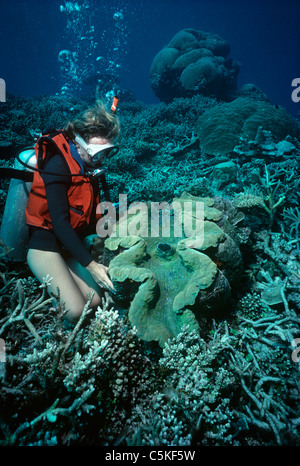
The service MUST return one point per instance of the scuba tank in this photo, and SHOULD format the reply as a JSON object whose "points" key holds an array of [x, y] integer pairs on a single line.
{"points": [[14, 231]]}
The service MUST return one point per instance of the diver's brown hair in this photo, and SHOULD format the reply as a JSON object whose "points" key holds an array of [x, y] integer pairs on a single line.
{"points": [[95, 121]]}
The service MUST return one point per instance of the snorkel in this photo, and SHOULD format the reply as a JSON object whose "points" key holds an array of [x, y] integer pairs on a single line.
{"points": [[114, 104]]}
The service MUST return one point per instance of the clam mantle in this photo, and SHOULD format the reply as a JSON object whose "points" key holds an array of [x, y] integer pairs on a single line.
{"points": [[167, 283]]}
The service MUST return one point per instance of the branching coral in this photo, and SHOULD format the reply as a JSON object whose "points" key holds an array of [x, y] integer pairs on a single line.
{"points": [[77, 372], [97, 384], [205, 377], [266, 196], [292, 216], [190, 405], [268, 387], [24, 311]]}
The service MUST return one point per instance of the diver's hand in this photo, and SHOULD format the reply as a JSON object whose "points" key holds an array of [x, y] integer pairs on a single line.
{"points": [[99, 274]]}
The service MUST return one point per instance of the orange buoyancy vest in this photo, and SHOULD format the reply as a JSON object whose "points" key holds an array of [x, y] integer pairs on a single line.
{"points": [[81, 195]]}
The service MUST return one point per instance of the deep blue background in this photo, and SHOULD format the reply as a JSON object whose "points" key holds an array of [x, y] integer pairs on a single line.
{"points": [[263, 34]]}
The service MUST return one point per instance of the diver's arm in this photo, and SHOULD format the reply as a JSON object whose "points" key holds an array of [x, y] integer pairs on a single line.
{"points": [[99, 274], [58, 204]]}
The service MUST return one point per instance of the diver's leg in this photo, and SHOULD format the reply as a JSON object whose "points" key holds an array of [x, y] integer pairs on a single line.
{"points": [[43, 263], [85, 282]]}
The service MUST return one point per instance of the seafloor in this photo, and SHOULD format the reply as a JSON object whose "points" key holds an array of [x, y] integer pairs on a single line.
{"points": [[234, 383]]}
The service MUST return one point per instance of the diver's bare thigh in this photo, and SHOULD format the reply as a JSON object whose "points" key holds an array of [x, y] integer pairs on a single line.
{"points": [[43, 263], [85, 282]]}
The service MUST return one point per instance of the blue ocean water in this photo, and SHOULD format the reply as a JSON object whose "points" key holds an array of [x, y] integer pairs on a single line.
{"points": [[263, 35]]}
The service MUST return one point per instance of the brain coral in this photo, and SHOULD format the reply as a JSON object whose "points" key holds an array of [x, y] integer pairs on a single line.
{"points": [[173, 281], [194, 62], [220, 128]]}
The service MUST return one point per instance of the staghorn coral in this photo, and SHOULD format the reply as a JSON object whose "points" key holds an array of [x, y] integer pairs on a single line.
{"points": [[85, 373], [205, 378], [292, 218], [281, 256], [268, 339], [268, 196], [269, 191]]}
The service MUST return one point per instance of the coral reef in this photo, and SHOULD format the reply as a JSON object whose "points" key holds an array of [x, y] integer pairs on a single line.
{"points": [[233, 382], [22, 120], [220, 128], [194, 62], [97, 384]]}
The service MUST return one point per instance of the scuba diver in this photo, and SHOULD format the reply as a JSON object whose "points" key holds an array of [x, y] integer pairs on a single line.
{"points": [[62, 206]]}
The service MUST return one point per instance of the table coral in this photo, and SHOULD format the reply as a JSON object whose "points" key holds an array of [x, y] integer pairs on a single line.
{"points": [[175, 281]]}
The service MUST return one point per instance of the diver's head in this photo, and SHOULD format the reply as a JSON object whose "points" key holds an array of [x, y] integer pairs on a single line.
{"points": [[95, 132], [95, 121], [95, 149]]}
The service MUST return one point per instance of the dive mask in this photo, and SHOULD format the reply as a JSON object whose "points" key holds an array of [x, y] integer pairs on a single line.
{"points": [[97, 151]]}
